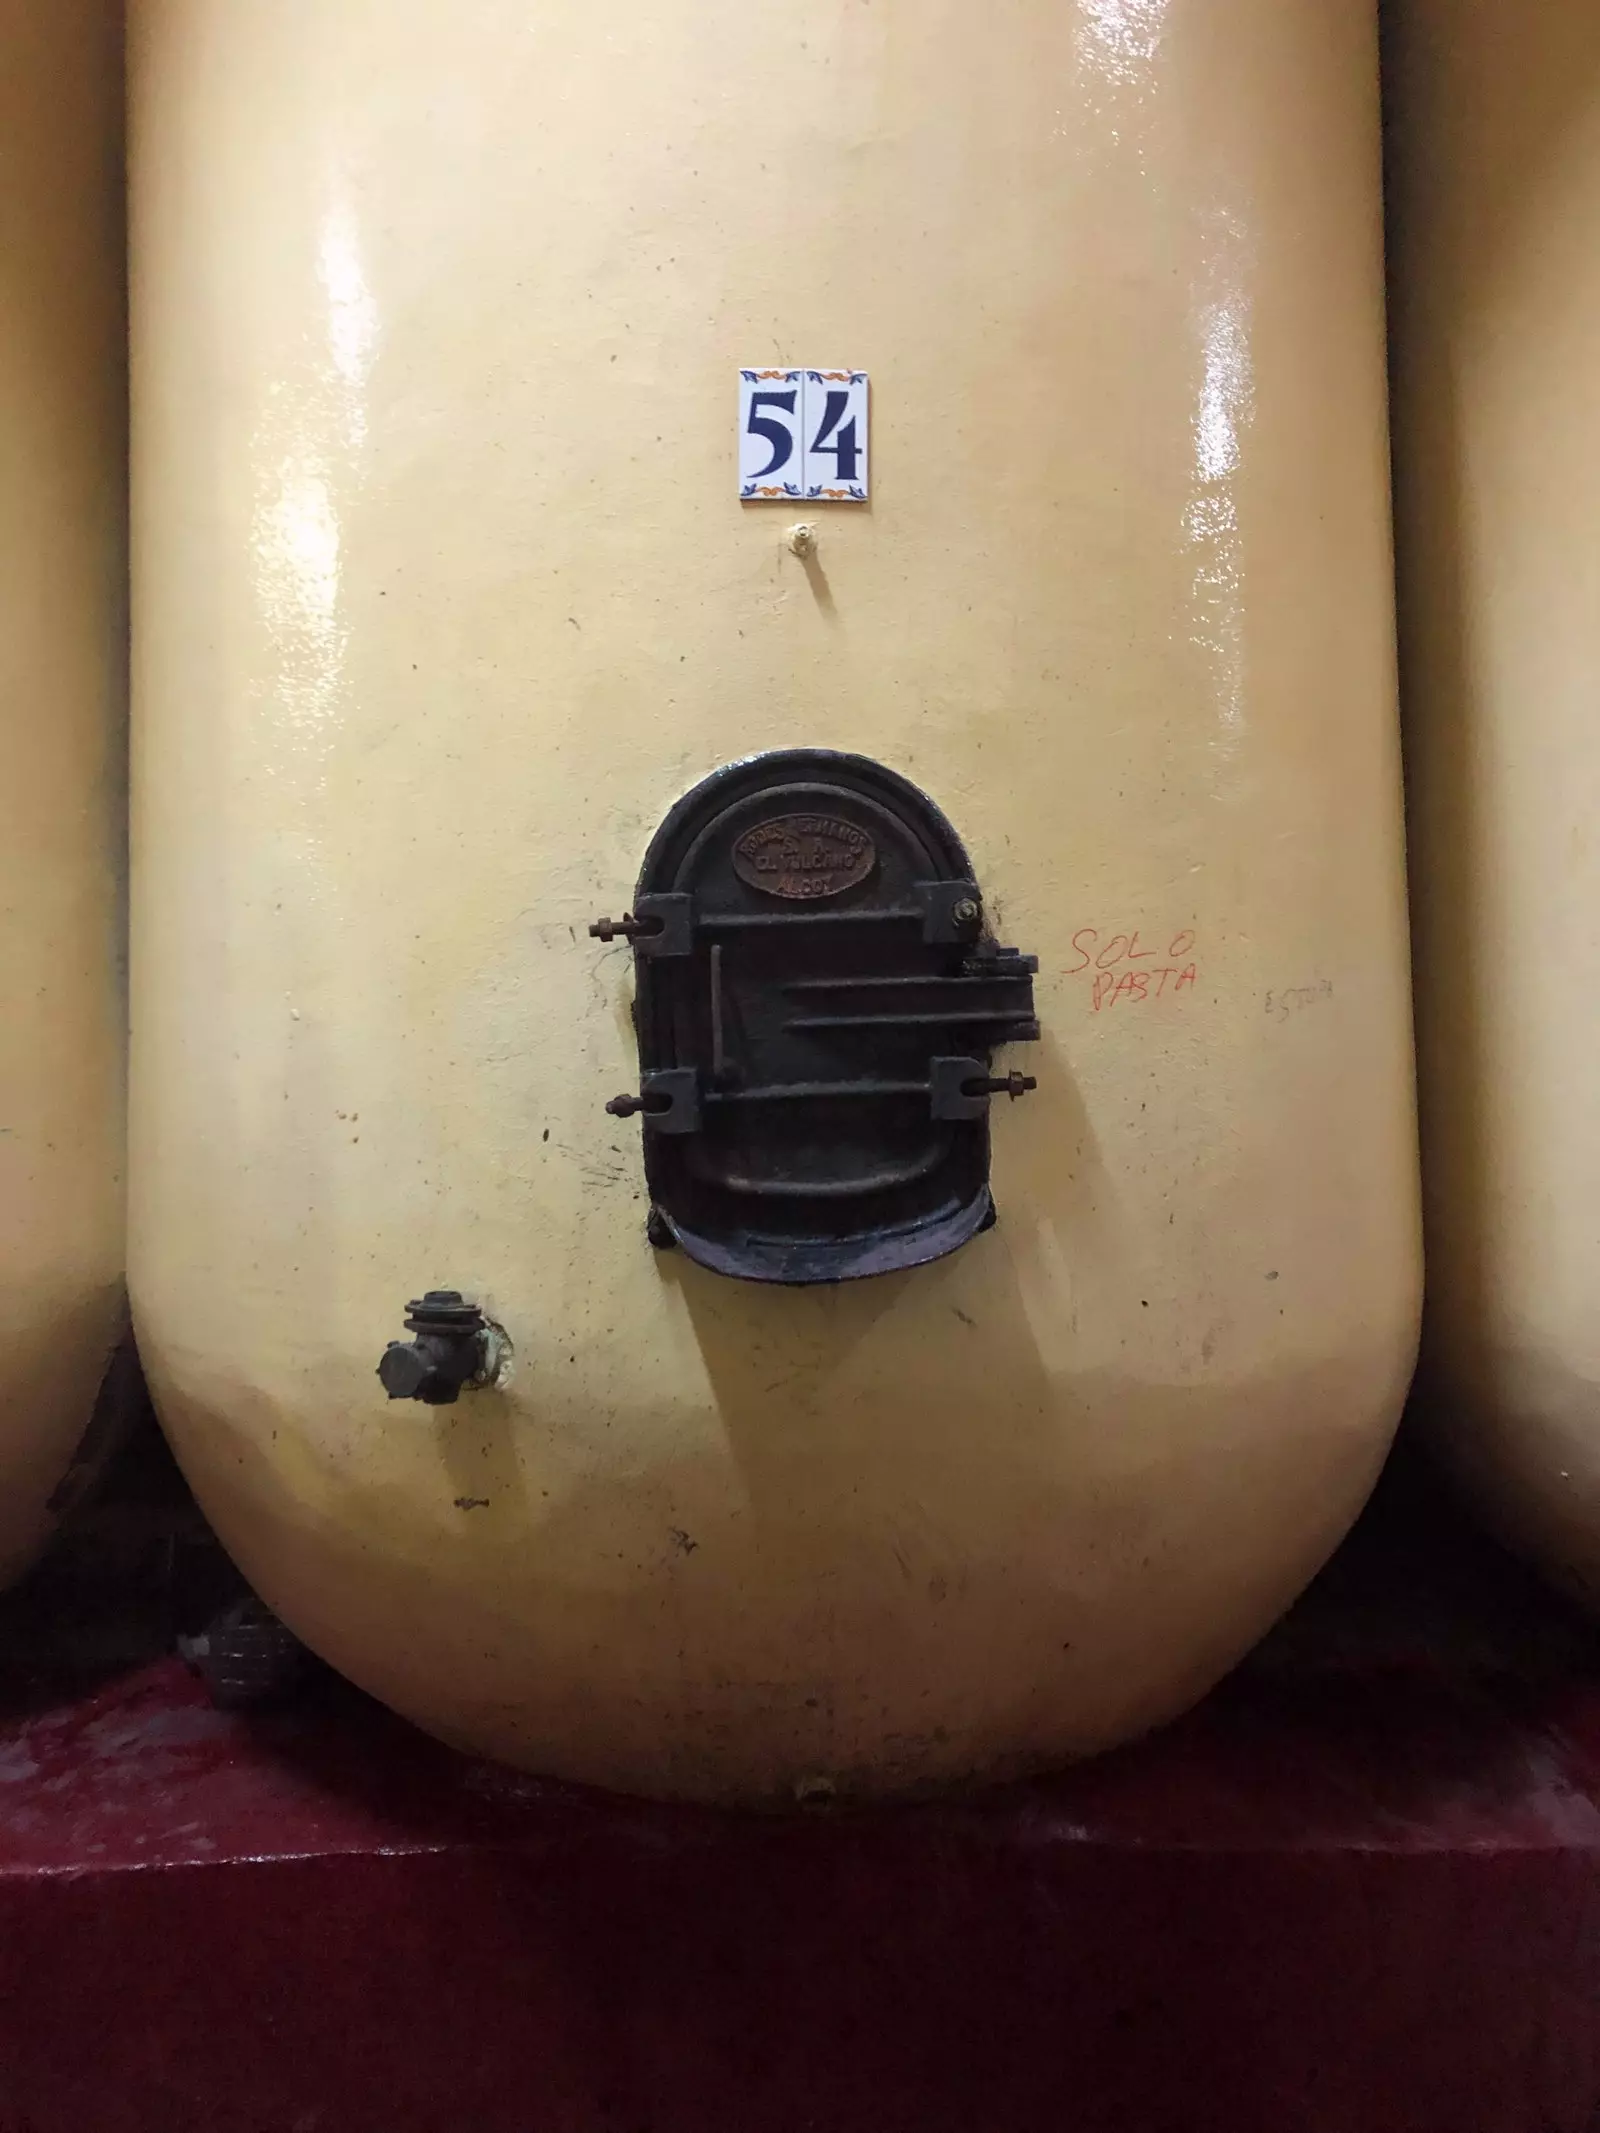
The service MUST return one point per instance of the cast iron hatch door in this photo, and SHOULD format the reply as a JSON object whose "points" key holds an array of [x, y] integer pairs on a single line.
{"points": [[817, 1002]]}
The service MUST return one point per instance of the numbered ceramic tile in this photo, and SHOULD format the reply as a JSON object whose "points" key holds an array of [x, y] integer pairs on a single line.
{"points": [[771, 435], [835, 429], [803, 436]]}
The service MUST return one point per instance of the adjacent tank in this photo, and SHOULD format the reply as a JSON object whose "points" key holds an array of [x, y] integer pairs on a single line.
{"points": [[819, 1417], [62, 706], [1496, 191]]}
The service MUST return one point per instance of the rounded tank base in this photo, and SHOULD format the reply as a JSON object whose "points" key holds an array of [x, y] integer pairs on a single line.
{"points": [[663, 1637], [1519, 1434]]}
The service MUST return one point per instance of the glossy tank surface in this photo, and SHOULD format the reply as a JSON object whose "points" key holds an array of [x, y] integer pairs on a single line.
{"points": [[444, 597], [62, 713], [1496, 190]]}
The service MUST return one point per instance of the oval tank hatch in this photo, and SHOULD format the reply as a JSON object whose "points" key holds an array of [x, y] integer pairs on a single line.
{"points": [[818, 1001]]}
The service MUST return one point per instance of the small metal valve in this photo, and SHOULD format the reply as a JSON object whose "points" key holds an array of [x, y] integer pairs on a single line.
{"points": [[451, 1349]]}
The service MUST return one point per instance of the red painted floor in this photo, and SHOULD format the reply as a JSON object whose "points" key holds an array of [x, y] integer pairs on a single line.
{"points": [[1357, 1892]]}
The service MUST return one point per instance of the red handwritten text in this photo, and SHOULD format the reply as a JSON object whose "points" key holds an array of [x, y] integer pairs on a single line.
{"points": [[1127, 970]]}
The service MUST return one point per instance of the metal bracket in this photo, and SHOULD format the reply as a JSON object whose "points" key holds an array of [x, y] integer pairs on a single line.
{"points": [[669, 1098], [662, 925], [952, 911], [961, 1088]]}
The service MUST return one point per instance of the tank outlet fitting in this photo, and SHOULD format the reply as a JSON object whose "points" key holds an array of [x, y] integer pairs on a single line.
{"points": [[452, 1348]]}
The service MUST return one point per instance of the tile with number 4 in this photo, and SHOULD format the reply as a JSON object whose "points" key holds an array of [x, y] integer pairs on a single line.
{"points": [[835, 410]]}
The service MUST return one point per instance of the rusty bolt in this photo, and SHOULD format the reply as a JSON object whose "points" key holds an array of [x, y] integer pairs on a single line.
{"points": [[1012, 1085]]}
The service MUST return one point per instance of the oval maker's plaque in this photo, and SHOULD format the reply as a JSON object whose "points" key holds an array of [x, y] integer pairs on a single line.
{"points": [[804, 856]]}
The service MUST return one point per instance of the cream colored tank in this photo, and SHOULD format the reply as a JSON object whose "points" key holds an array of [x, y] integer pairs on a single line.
{"points": [[62, 710], [445, 596], [1497, 353]]}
